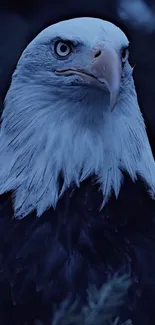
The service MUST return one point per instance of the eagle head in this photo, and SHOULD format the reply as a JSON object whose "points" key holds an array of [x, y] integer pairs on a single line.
{"points": [[72, 110]]}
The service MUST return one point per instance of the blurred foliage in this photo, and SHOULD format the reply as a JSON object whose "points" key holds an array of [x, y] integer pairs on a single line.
{"points": [[102, 306]]}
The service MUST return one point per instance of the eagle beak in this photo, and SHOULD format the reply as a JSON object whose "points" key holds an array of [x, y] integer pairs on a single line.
{"points": [[107, 68], [105, 73]]}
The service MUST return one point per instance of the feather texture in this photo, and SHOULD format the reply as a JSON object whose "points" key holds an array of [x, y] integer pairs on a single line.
{"points": [[63, 155]]}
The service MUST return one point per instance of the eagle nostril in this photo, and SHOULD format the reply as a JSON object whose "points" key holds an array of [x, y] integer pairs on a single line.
{"points": [[97, 53]]}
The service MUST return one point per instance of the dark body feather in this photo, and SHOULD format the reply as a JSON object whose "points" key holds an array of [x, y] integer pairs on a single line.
{"points": [[44, 260]]}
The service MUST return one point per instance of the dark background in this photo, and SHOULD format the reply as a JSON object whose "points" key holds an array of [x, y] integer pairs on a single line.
{"points": [[21, 21]]}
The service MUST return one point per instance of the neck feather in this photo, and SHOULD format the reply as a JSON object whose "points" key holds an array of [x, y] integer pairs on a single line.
{"points": [[43, 138]]}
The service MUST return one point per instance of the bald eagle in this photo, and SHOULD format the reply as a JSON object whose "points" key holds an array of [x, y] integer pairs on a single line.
{"points": [[77, 176]]}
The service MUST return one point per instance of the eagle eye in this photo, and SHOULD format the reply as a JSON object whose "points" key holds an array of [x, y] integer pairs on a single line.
{"points": [[125, 54], [63, 49]]}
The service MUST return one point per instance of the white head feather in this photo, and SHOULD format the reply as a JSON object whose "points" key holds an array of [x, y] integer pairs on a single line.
{"points": [[50, 127]]}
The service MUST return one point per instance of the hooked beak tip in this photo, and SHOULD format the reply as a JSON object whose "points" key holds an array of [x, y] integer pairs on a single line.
{"points": [[107, 67]]}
